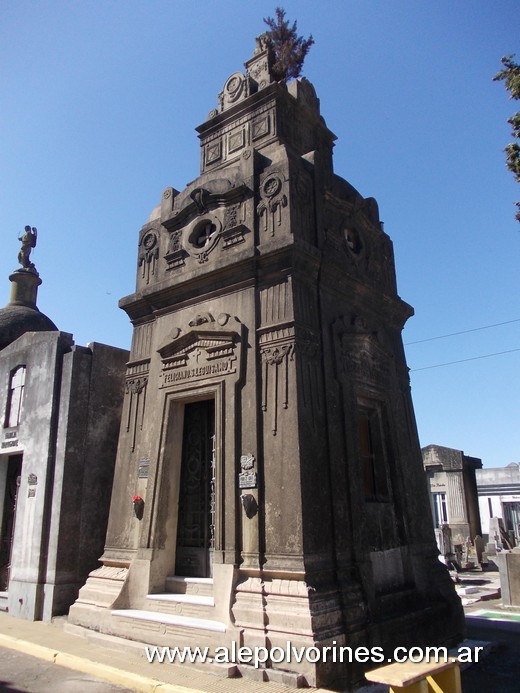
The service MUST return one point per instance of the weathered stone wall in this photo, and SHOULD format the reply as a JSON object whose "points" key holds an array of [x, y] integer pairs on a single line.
{"points": [[67, 434], [268, 286]]}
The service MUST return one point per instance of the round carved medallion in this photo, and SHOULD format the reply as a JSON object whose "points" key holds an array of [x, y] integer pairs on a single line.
{"points": [[149, 240], [271, 186], [234, 85], [203, 234]]}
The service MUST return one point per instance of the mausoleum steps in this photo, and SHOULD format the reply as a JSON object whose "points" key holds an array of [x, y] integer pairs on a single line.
{"points": [[192, 605], [184, 614], [3, 601], [159, 628], [171, 620], [179, 584], [184, 596]]}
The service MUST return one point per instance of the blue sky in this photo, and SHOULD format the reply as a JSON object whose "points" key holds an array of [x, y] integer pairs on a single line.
{"points": [[98, 105]]}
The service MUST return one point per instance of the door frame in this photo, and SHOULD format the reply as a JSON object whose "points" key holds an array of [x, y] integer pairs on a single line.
{"points": [[164, 519], [200, 557]]}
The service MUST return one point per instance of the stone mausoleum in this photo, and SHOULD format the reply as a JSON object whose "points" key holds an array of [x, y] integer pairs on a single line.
{"points": [[452, 485], [60, 408], [269, 484]]}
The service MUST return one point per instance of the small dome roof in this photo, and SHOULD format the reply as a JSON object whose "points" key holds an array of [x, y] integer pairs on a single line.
{"points": [[15, 320]]}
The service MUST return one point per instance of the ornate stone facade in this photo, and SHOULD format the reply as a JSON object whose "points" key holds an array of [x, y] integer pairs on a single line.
{"points": [[266, 289]]}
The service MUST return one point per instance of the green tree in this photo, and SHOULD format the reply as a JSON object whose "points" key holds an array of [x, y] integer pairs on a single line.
{"points": [[511, 76], [289, 49]]}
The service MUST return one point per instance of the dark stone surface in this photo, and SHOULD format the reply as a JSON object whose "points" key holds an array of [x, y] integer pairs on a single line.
{"points": [[509, 567], [16, 320], [268, 285], [21, 314], [500, 670], [67, 435]]}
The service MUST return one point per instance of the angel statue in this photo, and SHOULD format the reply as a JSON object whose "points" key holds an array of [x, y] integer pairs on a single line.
{"points": [[28, 239]]}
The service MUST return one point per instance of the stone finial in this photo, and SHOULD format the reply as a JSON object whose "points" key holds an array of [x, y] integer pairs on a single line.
{"points": [[259, 65], [28, 240], [258, 75], [262, 43], [278, 57]]}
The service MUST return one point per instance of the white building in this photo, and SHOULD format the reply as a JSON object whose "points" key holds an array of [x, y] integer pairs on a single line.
{"points": [[499, 496]]}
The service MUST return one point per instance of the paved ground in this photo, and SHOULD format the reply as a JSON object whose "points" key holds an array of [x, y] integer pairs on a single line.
{"points": [[128, 669], [34, 649], [21, 673], [499, 672]]}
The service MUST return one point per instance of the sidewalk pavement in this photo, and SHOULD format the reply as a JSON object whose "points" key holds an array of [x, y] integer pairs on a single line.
{"points": [[131, 670], [124, 664]]}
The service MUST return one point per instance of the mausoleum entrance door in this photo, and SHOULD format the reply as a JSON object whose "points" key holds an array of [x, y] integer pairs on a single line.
{"points": [[196, 519], [8, 516]]}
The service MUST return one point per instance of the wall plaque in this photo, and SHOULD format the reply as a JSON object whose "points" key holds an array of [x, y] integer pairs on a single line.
{"points": [[10, 439], [247, 480], [144, 465], [247, 477]]}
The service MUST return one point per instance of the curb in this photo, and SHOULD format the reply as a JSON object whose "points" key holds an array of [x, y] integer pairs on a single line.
{"points": [[118, 677]]}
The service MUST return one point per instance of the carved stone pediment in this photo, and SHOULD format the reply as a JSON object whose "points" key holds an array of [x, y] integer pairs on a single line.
{"points": [[204, 196], [206, 350], [206, 214], [216, 344]]}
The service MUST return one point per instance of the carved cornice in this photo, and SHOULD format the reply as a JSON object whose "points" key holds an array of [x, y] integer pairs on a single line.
{"points": [[280, 332], [136, 385]]}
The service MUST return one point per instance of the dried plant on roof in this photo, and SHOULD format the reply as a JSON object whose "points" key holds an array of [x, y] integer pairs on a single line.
{"points": [[511, 76], [289, 49]]}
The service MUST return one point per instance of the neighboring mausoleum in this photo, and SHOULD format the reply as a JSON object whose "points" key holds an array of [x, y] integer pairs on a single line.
{"points": [[269, 484], [499, 497], [454, 499], [60, 406]]}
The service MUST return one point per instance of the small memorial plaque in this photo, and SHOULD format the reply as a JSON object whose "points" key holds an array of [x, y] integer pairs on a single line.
{"points": [[247, 480], [32, 480], [144, 464]]}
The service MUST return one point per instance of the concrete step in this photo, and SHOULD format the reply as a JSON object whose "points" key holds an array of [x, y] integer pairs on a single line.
{"points": [[137, 647], [167, 629], [171, 619], [194, 605], [178, 584]]}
